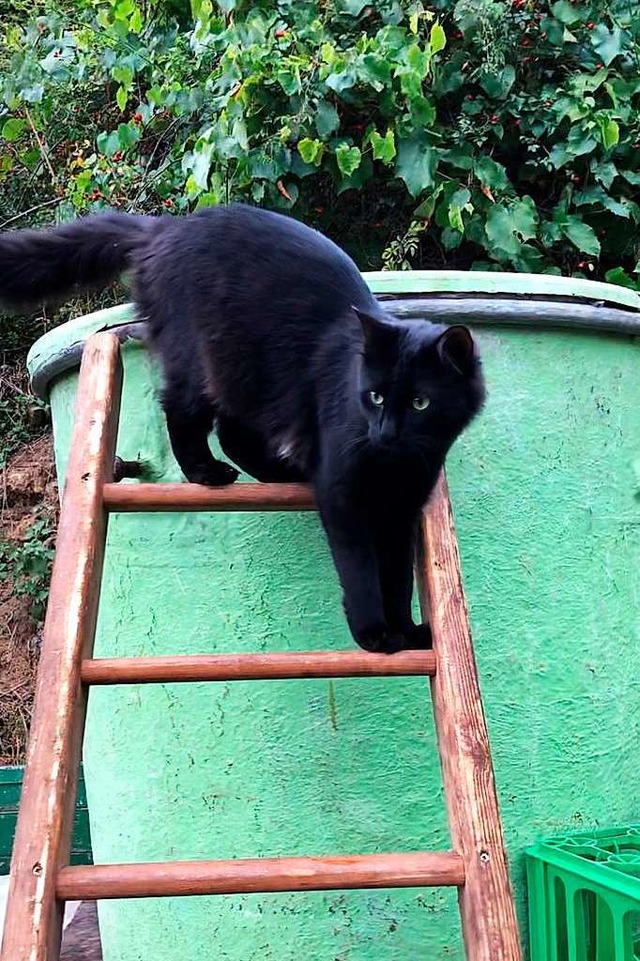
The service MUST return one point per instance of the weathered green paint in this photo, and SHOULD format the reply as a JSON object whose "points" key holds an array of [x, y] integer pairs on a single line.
{"points": [[10, 789], [545, 488]]}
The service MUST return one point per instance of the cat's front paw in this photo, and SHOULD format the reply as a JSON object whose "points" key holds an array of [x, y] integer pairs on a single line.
{"points": [[380, 640], [418, 638], [215, 476]]}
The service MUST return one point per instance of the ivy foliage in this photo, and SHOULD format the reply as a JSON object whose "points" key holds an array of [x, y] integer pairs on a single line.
{"points": [[491, 134]]}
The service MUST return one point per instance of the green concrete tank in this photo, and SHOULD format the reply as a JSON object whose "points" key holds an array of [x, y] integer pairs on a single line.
{"points": [[546, 492]]}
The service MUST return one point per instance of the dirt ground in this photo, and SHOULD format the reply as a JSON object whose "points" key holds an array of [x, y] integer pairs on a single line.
{"points": [[27, 490]]}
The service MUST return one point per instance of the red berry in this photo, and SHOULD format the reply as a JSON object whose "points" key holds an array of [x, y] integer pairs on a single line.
{"points": [[169, 203], [525, 42], [137, 118], [576, 179], [493, 118], [548, 103], [280, 33], [590, 24], [118, 155]]}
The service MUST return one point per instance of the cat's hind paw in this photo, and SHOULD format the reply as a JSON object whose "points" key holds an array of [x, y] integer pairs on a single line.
{"points": [[217, 475]]}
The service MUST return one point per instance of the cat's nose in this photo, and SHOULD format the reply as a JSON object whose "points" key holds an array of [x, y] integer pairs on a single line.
{"points": [[388, 431]]}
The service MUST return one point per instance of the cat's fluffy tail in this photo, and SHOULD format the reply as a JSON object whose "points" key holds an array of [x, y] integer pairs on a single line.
{"points": [[42, 265]]}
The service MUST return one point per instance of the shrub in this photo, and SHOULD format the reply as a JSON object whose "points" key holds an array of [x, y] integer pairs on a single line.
{"points": [[479, 133]]}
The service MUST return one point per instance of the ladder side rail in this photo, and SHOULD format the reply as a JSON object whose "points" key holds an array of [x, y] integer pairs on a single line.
{"points": [[33, 923], [489, 922]]}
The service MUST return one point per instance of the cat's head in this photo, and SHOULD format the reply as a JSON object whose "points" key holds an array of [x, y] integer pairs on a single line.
{"points": [[420, 384]]}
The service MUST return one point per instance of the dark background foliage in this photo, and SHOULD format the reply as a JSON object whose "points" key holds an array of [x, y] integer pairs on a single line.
{"points": [[481, 133]]}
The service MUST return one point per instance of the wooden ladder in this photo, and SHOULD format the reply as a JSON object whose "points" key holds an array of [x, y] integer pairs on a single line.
{"points": [[41, 878]]}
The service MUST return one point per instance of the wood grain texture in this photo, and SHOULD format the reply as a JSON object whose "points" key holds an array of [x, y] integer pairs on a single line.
{"points": [[255, 667], [34, 916], [195, 497], [487, 909], [250, 876]]}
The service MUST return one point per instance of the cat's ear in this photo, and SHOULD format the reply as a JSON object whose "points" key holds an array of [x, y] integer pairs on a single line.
{"points": [[377, 334], [456, 348]]}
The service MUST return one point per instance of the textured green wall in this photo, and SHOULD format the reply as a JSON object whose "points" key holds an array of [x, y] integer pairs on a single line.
{"points": [[545, 488]]}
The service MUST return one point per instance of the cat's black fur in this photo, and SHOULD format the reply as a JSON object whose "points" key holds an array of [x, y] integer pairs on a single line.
{"points": [[267, 330]]}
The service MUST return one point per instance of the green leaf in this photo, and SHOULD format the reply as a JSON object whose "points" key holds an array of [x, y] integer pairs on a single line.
{"points": [[384, 148], [579, 143], [343, 80], [108, 143], [609, 131], [311, 151], [359, 177], [289, 80], [595, 195], [565, 12], [631, 176], [128, 134], [490, 173], [460, 156], [327, 119], [348, 159], [619, 276], [123, 74], [199, 165], [353, 7], [121, 98], [135, 21], [423, 112], [459, 201], [375, 70], [506, 227], [498, 85], [32, 93], [559, 156], [416, 164], [437, 38], [451, 237], [426, 208], [13, 128], [608, 44], [581, 235], [605, 172]]}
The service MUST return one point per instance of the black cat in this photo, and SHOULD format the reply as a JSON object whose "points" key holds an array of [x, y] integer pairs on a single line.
{"points": [[266, 329]]}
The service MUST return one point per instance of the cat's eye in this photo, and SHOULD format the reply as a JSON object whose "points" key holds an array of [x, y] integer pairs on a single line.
{"points": [[420, 403], [376, 399]]}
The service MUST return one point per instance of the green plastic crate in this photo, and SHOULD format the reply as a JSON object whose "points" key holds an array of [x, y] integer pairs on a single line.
{"points": [[584, 896], [10, 790]]}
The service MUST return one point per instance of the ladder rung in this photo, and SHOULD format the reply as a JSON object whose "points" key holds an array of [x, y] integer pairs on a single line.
{"points": [[255, 667], [195, 497], [252, 876]]}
